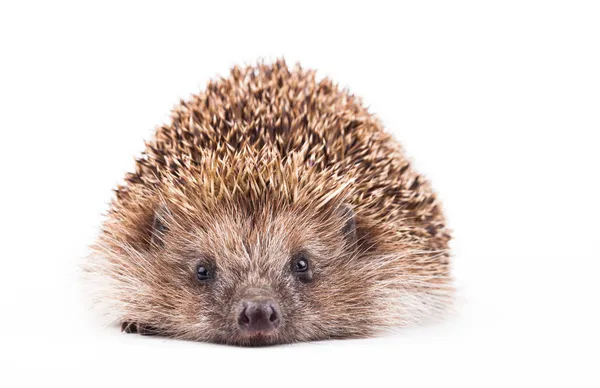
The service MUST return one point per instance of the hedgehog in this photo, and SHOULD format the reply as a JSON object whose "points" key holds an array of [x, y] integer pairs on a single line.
{"points": [[272, 208]]}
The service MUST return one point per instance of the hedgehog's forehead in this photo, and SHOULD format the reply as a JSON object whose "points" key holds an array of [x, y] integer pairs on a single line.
{"points": [[241, 241], [262, 230], [244, 221]]}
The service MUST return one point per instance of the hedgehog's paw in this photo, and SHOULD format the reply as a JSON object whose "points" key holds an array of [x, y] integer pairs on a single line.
{"points": [[137, 328]]}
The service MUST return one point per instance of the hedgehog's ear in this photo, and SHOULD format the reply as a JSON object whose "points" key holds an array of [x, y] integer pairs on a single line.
{"points": [[349, 222], [159, 226]]}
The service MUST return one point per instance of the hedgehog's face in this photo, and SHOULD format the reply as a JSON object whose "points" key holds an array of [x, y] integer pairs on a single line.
{"points": [[260, 278]]}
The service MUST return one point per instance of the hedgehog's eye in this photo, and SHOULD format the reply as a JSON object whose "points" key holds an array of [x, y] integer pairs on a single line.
{"points": [[203, 273], [300, 264], [301, 267]]}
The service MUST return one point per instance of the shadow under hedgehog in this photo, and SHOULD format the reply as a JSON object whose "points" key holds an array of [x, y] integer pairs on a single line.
{"points": [[272, 209]]}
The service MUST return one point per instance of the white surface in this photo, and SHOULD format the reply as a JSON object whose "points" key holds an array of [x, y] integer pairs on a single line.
{"points": [[497, 104]]}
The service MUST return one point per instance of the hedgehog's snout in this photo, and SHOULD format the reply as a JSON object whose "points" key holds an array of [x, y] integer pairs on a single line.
{"points": [[259, 313]]}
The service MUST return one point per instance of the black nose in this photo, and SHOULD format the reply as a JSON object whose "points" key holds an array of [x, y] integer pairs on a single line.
{"points": [[259, 316]]}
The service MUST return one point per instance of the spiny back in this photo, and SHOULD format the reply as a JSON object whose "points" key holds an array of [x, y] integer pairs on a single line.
{"points": [[291, 114]]}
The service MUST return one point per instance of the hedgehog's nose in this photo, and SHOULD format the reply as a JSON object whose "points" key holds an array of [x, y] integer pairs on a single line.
{"points": [[259, 316]]}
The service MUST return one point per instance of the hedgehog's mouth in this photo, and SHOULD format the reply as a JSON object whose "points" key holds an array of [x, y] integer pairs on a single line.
{"points": [[258, 339]]}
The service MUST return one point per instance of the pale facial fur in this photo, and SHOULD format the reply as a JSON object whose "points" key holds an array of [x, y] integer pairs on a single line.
{"points": [[347, 292]]}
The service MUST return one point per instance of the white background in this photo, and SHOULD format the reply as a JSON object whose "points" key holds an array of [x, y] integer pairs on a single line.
{"points": [[498, 104]]}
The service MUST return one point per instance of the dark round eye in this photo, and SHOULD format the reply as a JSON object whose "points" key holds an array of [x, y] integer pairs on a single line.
{"points": [[203, 273], [300, 264]]}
